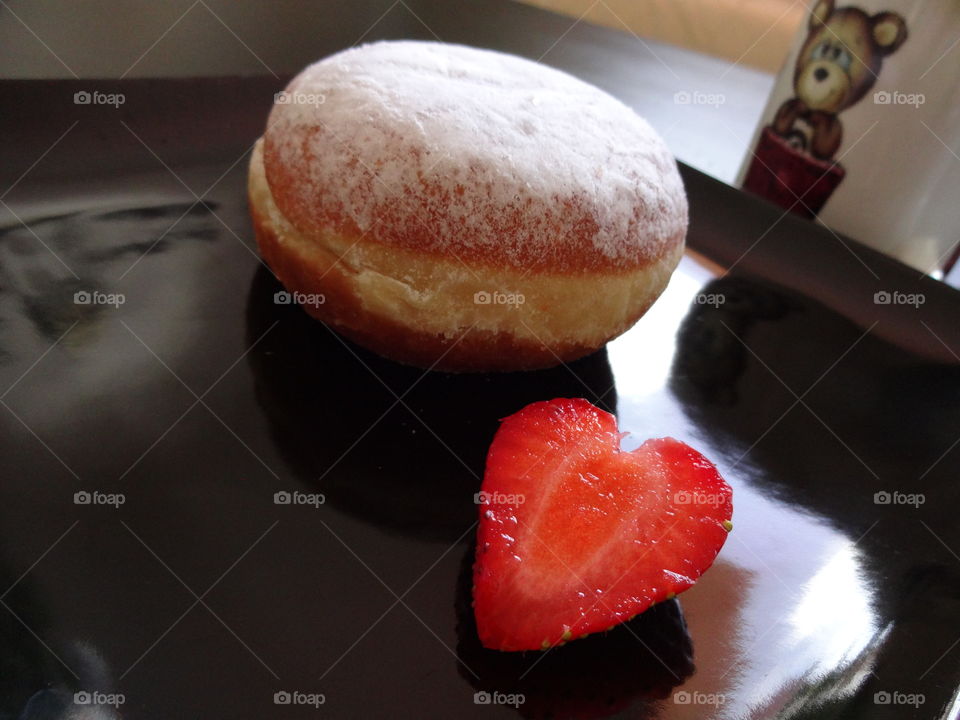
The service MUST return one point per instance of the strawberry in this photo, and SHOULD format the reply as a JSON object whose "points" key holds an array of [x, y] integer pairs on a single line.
{"points": [[577, 535]]}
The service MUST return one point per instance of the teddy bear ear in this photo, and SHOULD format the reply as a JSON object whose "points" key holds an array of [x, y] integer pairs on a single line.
{"points": [[821, 11], [889, 31]]}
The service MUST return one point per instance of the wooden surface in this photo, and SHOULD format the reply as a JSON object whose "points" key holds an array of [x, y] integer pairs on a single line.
{"points": [[757, 34]]}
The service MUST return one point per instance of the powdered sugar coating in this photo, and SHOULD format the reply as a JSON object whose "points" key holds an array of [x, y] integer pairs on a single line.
{"points": [[487, 156]]}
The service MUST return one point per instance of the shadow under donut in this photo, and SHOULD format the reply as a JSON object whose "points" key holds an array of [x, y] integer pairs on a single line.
{"points": [[395, 445]]}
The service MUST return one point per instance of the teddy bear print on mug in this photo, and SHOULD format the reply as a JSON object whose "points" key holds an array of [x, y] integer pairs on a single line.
{"points": [[838, 64], [794, 162]]}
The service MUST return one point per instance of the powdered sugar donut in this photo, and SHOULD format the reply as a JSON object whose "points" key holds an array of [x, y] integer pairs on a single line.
{"points": [[463, 209]]}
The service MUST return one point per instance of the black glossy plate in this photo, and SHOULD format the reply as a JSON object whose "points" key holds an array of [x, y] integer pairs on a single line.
{"points": [[197, 399]]}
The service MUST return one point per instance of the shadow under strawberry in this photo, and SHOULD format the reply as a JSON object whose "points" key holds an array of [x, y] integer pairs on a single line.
{"points": [[412, 466], [630, 666]]}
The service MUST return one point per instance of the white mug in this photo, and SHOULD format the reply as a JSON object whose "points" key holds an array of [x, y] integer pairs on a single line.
{"points": [[862, 129]]}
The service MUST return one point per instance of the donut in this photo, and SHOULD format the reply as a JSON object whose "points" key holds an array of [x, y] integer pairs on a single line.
{"points": [[461, 209]]}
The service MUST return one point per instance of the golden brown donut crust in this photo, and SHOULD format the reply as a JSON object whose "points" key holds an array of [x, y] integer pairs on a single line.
{"points": [[402, 180], [573, 319], [473, 351]]}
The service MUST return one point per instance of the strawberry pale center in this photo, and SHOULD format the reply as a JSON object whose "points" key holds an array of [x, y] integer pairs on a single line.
{"points": [[595, 496]]}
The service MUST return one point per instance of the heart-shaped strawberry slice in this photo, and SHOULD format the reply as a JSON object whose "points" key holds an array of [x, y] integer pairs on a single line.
{"points": [[577, 535]]}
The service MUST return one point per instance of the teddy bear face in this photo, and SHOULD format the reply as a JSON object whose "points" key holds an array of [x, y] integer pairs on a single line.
{"points": [[842, 55]]}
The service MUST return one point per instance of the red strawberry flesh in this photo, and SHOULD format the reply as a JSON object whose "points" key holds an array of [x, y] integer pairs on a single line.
{"points": [[577, 535]]}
